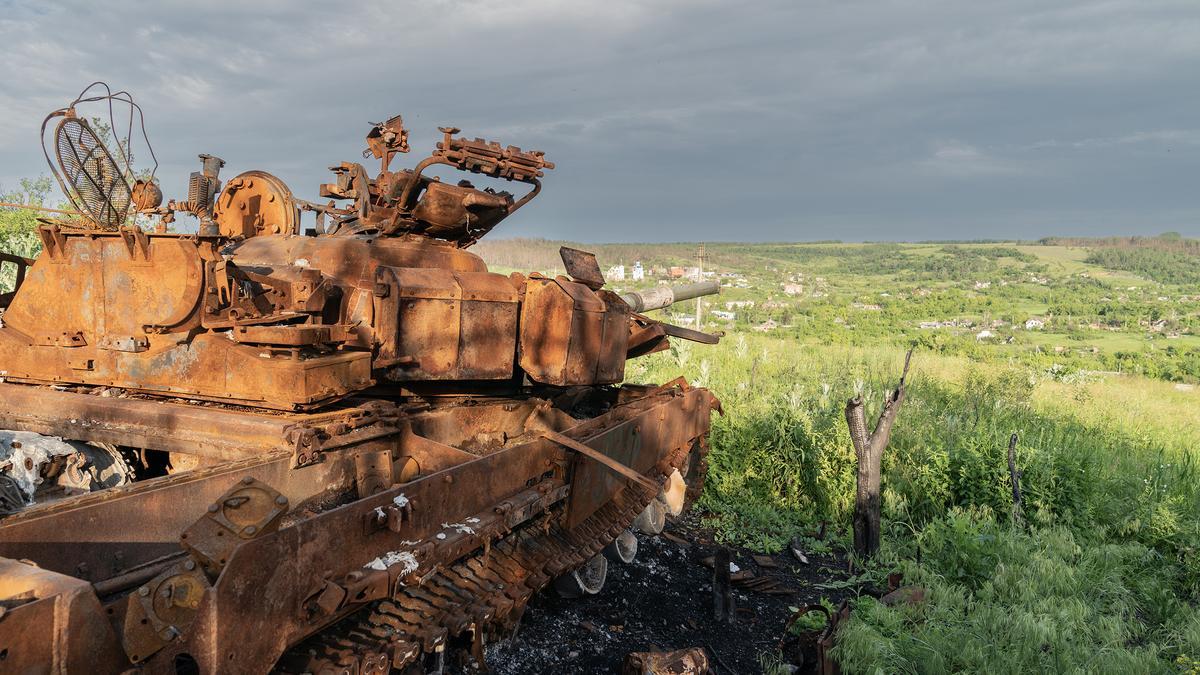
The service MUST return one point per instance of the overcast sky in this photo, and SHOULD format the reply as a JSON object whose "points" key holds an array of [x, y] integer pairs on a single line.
{"points": [[670, 121]]}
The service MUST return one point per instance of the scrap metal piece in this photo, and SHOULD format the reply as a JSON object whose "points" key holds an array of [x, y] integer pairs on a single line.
{"points": [[690, 661], [23, 454], [582, 266]]}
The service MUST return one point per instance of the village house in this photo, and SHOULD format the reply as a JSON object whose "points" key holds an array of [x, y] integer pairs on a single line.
{"points": [[984, 335], [721, 314], [616, 273], [793, 289], [1035, 324], [638, 272]]}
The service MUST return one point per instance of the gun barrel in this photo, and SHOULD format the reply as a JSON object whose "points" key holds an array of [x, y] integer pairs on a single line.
{"points": [[663, 296]]}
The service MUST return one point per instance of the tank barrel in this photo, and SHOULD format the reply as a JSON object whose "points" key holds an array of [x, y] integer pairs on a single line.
{"points": [[663, 296]]}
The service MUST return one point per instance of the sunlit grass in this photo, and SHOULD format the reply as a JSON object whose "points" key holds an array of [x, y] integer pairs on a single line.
{"points": [[1101, 574]]}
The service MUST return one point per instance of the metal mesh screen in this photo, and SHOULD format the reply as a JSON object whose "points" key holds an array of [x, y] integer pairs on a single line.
{"points": [[100, 187]]}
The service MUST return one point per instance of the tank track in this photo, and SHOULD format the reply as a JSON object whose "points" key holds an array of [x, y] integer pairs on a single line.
{"points": [[479, 596]]}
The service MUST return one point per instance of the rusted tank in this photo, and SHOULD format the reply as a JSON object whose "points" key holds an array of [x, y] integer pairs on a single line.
{"points": [[338, 443]]}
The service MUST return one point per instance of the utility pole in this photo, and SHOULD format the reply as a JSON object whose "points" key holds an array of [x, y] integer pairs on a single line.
{"points": [[699, 266]]}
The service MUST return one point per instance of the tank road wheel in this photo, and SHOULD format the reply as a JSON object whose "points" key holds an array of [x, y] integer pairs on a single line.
{"points": [[623, 549], [652, 519], [588, 579], [674, 494]]}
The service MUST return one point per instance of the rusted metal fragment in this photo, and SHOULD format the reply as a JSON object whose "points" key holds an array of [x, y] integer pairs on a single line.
{"points": [[906, 595], [818, 643], [691, 661], [52, 623], [582, 267]]}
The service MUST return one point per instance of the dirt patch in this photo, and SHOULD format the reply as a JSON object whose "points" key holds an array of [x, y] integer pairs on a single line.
{"points": [[664, 601]]}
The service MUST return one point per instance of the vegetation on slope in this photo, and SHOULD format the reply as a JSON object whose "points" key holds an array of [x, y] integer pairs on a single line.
{"points": [[1162, 266], [1046, 306], [1103, 572]]}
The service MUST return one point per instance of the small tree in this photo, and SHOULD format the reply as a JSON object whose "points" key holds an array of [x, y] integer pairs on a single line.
{"points": [[868, 448]]}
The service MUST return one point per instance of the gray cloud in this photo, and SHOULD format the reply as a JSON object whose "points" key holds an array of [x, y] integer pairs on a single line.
{"points": [[671, 120]]}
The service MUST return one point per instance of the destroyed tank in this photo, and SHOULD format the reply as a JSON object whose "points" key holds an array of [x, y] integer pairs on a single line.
{"points": [[258, 444]]}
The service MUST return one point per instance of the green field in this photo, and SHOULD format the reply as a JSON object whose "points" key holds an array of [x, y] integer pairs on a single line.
{"points": [[1100, 575]]}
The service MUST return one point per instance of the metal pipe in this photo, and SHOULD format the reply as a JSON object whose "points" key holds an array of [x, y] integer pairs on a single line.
{"points": [[34, 207], [135, 577], [663, 296]]}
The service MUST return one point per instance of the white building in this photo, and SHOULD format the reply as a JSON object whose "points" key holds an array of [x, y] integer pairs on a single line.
{"points": [[616, 273], [1035, 324], [638, 272]]}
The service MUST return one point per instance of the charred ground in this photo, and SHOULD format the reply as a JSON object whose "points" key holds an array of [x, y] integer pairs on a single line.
{"points": [[664, 601]]}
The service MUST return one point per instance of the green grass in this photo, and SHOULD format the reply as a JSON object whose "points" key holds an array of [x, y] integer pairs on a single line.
{"points": [[1102, 574]]}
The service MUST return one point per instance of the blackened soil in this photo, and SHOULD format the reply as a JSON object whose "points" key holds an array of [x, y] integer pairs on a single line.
{"points": [[661, 602]]}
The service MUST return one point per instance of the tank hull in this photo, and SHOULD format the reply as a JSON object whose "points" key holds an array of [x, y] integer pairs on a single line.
{"points": [[358, 539]]}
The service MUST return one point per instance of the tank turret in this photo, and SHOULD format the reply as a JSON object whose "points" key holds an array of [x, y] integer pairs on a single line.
{"points": [[261, 309]]}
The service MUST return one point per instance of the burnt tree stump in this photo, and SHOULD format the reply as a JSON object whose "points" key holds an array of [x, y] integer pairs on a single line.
{"points": [[1014, 476], [868, 448], [723, 607]]}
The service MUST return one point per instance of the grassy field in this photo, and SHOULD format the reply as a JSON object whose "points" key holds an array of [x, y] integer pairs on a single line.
{"points": [[1101, 574]]}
